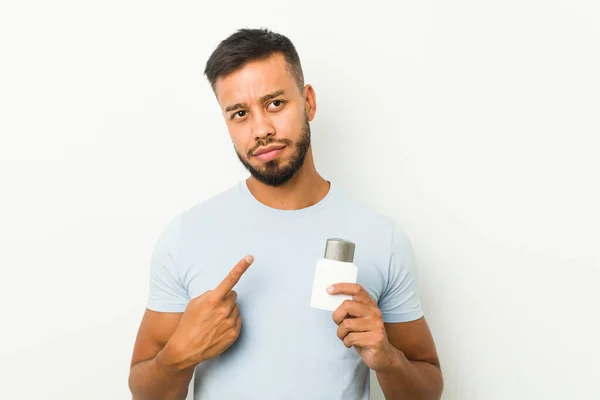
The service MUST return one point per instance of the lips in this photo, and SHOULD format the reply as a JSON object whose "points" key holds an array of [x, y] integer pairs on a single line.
{"points": [[269, 153], [268, 149]]}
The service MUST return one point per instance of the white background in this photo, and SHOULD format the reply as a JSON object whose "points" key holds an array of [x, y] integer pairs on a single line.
{"points": [[475, 124]]}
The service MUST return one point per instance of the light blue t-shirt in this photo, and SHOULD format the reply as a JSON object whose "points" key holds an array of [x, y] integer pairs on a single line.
{"points": [[286, 349]]}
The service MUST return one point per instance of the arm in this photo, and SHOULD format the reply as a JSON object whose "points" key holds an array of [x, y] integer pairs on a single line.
{"points": [[169, 345], [149, 378], [402, 354], [414, 371]]}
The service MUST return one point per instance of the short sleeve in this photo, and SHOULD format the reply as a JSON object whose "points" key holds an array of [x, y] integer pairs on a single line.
{"points": [[166, 292], [399, 301]]}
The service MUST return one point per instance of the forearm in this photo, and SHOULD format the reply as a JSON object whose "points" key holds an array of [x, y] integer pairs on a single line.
{"points": [[150, 380], [415, 380]]}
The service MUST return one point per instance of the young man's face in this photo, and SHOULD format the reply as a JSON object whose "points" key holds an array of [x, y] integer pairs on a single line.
{"points": [[268, 118]]}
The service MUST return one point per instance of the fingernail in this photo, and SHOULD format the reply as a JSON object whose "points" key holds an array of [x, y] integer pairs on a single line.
{"points": [[330, 289], [249, 259]]}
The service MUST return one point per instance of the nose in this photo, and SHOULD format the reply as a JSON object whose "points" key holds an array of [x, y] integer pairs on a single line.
{"points": [[263, 128]]}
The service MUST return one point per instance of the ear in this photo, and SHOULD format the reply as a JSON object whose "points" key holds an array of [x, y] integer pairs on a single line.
{"points": [[310, 101]]}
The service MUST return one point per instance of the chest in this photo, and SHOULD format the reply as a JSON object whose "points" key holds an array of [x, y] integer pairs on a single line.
{"points": [[283, 271], [274, 296]]}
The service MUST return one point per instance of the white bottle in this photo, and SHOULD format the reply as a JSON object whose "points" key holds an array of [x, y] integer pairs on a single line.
{"points": [[336, 267]]}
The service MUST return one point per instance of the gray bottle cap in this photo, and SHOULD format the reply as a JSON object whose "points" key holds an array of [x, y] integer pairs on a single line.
{"points": [[339, 250]]}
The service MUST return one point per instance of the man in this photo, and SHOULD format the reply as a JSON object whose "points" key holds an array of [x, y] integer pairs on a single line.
{"points": [[249, 254]]}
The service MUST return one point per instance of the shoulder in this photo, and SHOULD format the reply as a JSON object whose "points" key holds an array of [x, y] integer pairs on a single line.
{"points": [[381, 236], [204, 213], [212, 207], [368, 218]]}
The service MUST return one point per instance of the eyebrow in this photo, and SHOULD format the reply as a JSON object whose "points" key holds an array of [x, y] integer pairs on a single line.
{"points": [[263, 99]]}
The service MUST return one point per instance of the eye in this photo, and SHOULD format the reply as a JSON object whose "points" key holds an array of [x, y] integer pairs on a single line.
{"points": [[238, 114], [277, 104]]}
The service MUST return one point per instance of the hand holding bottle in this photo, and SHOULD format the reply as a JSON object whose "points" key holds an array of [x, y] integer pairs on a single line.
{"points": [[360, 325]]}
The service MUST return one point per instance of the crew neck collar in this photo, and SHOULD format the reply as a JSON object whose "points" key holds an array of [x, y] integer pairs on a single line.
{"points": [[259, 205]]}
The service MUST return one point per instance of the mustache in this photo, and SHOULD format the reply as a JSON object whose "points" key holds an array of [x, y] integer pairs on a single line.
{"points": [[263, 143]]}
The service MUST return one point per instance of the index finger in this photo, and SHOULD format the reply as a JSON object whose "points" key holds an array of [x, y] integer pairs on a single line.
{"points": [[355, 290], [233, 277]]}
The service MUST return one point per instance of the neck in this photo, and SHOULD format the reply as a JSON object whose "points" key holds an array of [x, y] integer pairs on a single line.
{"points": [[305, 189]]}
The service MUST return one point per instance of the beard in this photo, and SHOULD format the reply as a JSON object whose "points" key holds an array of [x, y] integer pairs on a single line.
{"points": [[276, 173]]}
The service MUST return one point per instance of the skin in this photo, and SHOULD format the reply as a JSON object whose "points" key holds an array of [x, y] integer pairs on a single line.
{"points": [[281, 118], [261, 104]]}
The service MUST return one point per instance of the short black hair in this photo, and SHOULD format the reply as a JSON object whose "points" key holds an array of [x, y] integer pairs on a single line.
{"points": [[246, 45]]}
